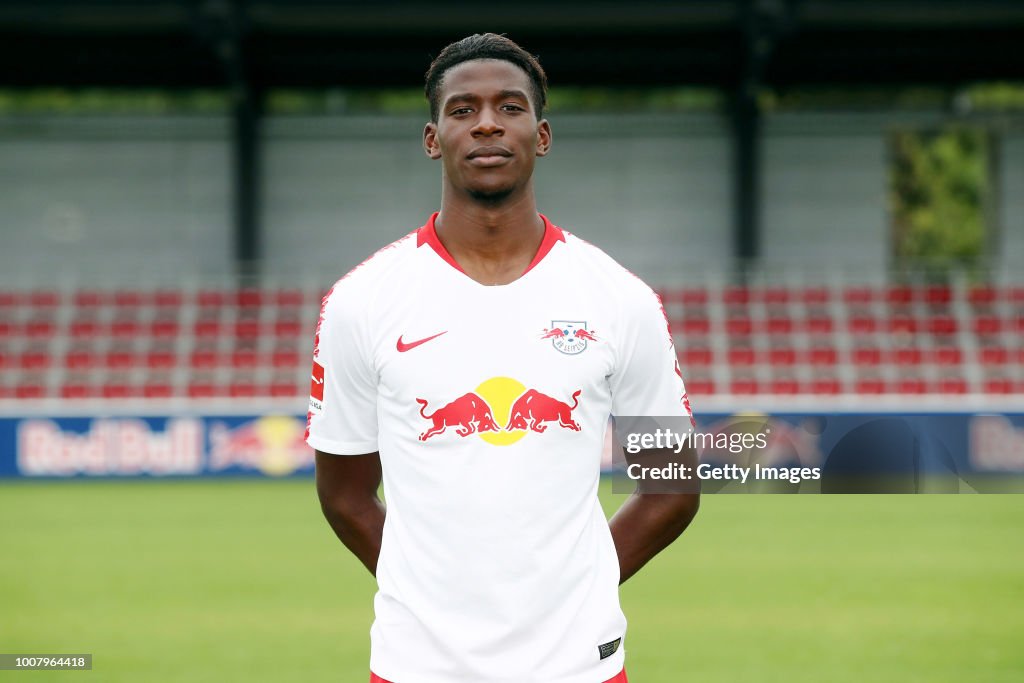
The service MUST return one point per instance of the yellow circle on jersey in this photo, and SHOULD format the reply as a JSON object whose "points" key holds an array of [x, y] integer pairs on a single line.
{"points": [[500, 393]]}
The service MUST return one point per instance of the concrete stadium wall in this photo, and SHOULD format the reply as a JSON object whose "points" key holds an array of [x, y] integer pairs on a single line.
{"points": [[1010, 253], [823, 194], [651, 191], [109, 200]]}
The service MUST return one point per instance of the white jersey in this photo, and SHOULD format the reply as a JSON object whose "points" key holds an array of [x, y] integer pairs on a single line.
{"points": [[489, 407]]}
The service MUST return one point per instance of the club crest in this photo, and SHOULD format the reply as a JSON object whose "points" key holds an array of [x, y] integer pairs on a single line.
{"points": [[569, 336]]}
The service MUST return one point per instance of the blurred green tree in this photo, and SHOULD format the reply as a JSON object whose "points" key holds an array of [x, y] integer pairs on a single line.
{"points": [[938, 195]]}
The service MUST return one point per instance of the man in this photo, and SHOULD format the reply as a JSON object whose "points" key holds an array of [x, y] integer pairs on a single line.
{"points": [[473, 365]]}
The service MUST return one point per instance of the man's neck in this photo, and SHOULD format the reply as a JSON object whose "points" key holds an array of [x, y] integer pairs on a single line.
{"points": [[493, 244]]}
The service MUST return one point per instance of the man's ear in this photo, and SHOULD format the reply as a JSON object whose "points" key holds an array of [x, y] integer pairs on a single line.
{"points": [[430, 145], [543, 137]]}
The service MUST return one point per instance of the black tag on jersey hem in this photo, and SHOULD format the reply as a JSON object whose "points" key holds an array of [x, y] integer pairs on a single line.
{"points": [[609, 648]]}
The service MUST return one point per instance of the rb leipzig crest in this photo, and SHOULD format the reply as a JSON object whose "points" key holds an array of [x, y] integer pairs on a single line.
{"points": [[569, 336]]}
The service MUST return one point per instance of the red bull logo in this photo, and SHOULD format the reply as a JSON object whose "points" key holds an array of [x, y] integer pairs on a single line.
{"points": [[569, 336], [501, 411], [273, 445]]}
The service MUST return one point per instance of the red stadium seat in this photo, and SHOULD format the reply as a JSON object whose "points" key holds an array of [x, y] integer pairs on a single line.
{"points": [[741, 356], [77, 389], [744, 386], [775, 295], [288, 328], [739, 326], [39, 329], [778, 326], [998, 385], [700, 386], [204, 389], [249, 298], [285, 358], [987, 325], [125, 329], [85, 329], [210, 298], [248, 329], [815, 296], [34, 360], [693, 296], [867, 355], [204, 358], [283, 389], [938, 295], [952, 385], [907, 355], [696, 356], [120, 359], [858, 295], [901, 295], [942, 325], [862, 324], [736, 296], [208, 328], [692, 326], [289, 297], [819, 325], [117, 389], [982, 295], [90, 299], [825, 385], [911, 385], [994, 355], [44, 299], [164, 329], [245, 358], [782, 356], [126, 298], [242, 388], [157, 389], [822, 355], [30, 390], [161, 359], [870, 385], [167, 298], [947, 355], [784, 386], [80, 359], [902, 324]]}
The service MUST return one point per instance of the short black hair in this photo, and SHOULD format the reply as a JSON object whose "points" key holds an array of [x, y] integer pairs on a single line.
{"points": [[485, 46]]}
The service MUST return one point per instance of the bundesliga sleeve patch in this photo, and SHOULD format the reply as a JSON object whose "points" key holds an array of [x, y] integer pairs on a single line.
{"points": [[316, 389], [608, 649]]}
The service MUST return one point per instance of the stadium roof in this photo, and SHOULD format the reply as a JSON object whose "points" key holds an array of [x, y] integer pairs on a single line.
{"points": [[307, 43]]}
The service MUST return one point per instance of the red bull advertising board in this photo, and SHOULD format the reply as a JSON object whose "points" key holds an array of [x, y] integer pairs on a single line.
{"points": [[165, 446]]}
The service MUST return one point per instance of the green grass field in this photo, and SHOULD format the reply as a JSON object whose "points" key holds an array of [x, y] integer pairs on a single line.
{"points": [[243, 581]]}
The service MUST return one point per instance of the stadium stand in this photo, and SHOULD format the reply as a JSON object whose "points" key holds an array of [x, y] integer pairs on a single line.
{"points": [[255, 343]]}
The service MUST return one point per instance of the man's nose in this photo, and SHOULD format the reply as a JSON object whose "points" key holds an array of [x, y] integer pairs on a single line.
{"points": [[488, 124]]}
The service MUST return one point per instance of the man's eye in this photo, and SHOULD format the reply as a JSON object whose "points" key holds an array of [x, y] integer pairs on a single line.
{"points": [[513, 107], [460, 110]]}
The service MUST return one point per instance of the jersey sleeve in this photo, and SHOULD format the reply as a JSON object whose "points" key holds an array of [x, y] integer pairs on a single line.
{"points": [[342, 418], [647, 380]]}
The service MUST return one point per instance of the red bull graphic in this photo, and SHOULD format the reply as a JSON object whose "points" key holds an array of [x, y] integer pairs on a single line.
{"points": [[501, 411], [469, 414], [534, 410], [569, 336], [272, 445]]}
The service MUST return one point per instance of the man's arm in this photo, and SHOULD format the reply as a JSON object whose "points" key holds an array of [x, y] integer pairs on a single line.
{"points": [[347, 487], [654, 515]]}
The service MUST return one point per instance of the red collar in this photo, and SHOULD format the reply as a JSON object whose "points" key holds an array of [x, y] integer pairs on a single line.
{"points": [[428, 235]]}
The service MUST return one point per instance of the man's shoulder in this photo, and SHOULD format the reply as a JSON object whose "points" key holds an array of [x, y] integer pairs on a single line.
{"points": [[604, 269], [356, 287]]}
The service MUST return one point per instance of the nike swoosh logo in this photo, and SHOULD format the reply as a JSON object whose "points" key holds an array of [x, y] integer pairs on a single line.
{"points": [[403, 347]]}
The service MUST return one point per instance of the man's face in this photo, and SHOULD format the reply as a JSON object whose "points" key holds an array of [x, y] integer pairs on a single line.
{"points": [[487, 133]]}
